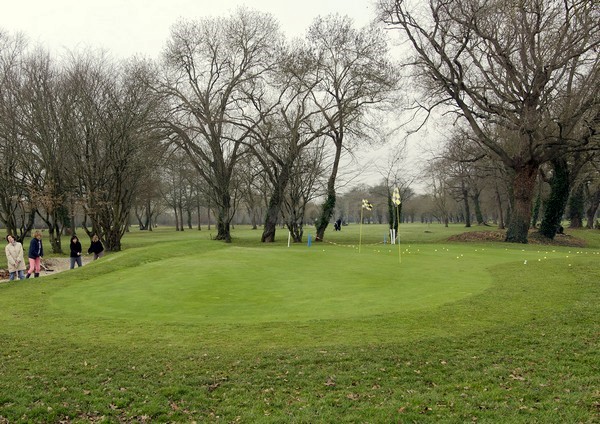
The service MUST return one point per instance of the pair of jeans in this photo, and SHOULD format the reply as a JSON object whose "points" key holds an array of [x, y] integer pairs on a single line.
{"points": [[19, 273], [75, 260]]}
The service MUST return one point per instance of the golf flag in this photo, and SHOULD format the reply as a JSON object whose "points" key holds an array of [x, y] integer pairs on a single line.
{"points": [[396, 197], [368, 206]]}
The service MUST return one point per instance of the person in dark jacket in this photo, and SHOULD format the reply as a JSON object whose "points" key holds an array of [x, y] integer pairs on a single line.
{"points": [[75, 256], [36, 253], [96, 247]]}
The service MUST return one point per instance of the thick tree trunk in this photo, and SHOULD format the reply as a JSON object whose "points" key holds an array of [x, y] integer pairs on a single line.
{"points": [[329, 205], [393, 220], [523, 191], [112, 241], [54, 236], [477, 205], [268, 235], [465, 196], [576, 207], [274, 210], [224, 219], [594, 199], [557, 201], [326, 214]]}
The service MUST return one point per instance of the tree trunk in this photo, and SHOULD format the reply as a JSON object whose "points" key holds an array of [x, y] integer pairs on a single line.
{"points": [[268, 235], [329, 205], [554, 207], [54, 236], [576, 206], [274, 210], [180, 207], [594, 199], [176, 218], [523, 189], [198, 213], [112, 241], [465, 196], [477, 205], [189, 218], [536, 209], [148, 220], [223, 219], [326, 214]]}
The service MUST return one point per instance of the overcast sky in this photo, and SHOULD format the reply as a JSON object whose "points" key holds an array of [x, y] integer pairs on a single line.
{"points": [[131, 27]]}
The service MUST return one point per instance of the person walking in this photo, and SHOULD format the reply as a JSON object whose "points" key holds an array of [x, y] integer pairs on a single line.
{"points": [[14, 258], [75, 255], [96, 247], [36, 253]]}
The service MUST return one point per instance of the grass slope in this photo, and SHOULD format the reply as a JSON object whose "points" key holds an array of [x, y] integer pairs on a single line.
{"points": [[179, 328]]}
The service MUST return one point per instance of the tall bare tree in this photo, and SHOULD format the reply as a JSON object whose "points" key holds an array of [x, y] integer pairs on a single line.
{"points": [[42, 128], [290, 123], [111, 142], [16, 212], [213, 68], [352, 74], [503, 64]]}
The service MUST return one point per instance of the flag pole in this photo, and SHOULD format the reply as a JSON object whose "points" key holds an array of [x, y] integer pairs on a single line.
{"points": [[360, 229], [398, 235], [398, 201]]}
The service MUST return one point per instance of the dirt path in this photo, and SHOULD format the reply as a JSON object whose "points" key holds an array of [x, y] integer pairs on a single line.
{"points": [[56, 265]]}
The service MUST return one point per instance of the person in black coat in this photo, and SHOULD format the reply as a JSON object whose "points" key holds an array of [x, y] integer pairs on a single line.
{"points": [[96, 247], [36, 253], [75, 256]]}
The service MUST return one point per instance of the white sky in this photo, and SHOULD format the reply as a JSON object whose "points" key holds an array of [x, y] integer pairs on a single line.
{"points": [[132, 27]]}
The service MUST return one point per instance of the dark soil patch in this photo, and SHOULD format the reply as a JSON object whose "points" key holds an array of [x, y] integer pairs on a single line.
{"points": [[534, 238]]}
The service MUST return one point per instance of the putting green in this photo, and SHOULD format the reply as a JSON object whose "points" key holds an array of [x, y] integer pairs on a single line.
{"points": [[257, 285]]}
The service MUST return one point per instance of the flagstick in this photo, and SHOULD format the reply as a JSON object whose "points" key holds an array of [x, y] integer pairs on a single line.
{"points": [[398, 235], [360, 230]]}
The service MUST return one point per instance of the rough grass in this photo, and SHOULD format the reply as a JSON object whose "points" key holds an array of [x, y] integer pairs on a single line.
{"points": [[178, 328]]}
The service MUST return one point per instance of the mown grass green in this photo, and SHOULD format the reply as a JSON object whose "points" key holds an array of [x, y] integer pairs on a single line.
{"points": [[178, 328]]}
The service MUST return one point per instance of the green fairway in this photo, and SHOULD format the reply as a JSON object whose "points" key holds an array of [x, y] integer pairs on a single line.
{"points": [[178, 328]]}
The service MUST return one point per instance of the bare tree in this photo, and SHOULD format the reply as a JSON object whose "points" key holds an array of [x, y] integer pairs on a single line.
{"points": [[42, 128], [110, 139], [213, 67], [352, 74], [253, 189], [503, 64], [290, 123], [306, 183], [16, 212]]}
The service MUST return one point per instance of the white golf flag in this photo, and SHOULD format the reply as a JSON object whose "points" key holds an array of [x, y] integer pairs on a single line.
{"points": [[396, 197]]}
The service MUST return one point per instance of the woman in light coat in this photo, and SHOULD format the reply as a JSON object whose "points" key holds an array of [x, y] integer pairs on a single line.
{"points": [[14, 257]]}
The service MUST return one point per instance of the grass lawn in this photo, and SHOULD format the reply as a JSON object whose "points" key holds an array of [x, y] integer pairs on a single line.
{"points": [[180, 328]]}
